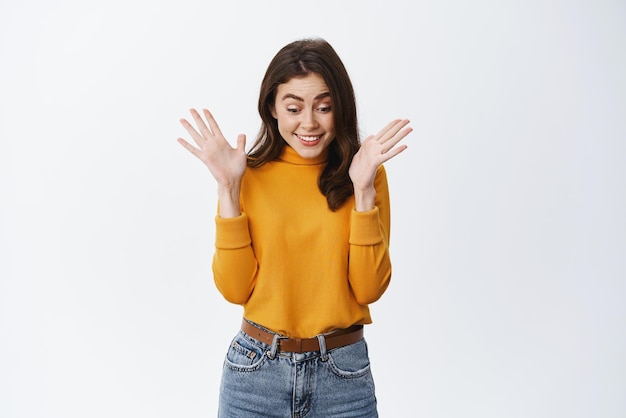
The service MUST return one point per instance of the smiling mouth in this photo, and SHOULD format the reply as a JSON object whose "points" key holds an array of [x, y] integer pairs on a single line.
{"points": [[309, 138]]}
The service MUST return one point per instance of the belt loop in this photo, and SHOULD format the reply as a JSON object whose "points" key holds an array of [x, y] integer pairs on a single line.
{"points": [[272, 352], [322, 341]]}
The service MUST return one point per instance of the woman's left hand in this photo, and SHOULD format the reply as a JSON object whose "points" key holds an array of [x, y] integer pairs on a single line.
{"points": [[375, 150]]}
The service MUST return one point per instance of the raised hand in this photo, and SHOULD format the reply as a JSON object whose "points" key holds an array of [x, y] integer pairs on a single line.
{"points": [[226, 164], [375, 150]]}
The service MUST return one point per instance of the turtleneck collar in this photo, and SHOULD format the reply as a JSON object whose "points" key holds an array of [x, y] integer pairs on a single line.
{"points": [[289, 155]]}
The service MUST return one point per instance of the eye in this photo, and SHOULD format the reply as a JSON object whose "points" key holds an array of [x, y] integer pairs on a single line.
{"points": [[293, 109], [324, 109]]}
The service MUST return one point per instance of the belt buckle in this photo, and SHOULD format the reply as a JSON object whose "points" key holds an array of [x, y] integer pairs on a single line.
{"points": [[271, 353], [294, 343]]}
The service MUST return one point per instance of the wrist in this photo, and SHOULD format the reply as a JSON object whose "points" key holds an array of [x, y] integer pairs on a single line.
{"points": [[364, 199], [228, 198]]}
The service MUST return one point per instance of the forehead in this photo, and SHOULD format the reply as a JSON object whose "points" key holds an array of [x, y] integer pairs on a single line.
{"points": [[310, 85]]}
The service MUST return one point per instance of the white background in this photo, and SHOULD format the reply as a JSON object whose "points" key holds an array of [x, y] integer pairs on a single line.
{"points": [[508, 237]]}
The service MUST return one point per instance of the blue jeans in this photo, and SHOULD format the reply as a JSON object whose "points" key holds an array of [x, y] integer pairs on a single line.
{"points": [[258, 381]]}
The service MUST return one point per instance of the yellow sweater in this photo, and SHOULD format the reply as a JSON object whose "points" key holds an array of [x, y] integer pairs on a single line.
{"points": [[298, 268]]}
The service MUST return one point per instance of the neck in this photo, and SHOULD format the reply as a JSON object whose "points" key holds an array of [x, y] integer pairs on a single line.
{"points": [[289, 155]]}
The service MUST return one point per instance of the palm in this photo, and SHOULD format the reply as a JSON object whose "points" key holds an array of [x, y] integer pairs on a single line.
{"points": [[375, 150], [226, 164]]}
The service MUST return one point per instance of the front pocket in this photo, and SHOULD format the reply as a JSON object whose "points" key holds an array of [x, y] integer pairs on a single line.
{"points": [[351, 361], [242, 355]]}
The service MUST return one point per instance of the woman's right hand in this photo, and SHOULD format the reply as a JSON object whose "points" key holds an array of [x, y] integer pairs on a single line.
{"points": [[226, 164]]}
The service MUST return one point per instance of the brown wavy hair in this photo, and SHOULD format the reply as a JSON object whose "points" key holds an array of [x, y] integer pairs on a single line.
{"points": [[299, 59]]}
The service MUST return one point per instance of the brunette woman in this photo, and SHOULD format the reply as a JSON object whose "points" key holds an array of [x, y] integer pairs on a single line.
{"points": [[302, 240]]}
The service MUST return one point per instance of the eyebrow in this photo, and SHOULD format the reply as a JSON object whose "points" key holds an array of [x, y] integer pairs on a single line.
{"points": [[300, 99]]}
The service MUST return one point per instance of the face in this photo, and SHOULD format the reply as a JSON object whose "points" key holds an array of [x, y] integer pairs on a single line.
{"points": [[303, 110]]}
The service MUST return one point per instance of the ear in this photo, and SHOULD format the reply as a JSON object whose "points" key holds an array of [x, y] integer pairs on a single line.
{"points": [[273, 111]]}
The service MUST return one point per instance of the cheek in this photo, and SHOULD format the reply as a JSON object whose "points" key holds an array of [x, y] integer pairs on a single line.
{"points": [[282, 123], [285, 126], [330, 124]]}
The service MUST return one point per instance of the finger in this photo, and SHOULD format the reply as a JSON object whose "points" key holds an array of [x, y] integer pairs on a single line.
{"points": [[241, 142], [392, 129], [393, 152], [387, 128], [188, 146], [197, 137], [390, 143], [204, 130], [212, 124]]}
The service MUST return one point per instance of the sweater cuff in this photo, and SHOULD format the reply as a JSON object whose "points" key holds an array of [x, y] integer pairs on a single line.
{"points": [[365, 228], [232, 233]]}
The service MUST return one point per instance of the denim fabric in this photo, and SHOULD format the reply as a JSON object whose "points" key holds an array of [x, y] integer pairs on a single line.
{"points": [[256, 383]]}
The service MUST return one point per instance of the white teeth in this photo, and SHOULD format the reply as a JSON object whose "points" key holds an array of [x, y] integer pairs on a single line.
{"points": [[309, 138]]}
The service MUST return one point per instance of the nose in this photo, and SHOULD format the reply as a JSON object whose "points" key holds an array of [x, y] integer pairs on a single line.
{"points": [[309, 121]]}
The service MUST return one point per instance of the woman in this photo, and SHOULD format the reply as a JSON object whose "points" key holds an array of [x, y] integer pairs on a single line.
{"points": [[302, 237]]}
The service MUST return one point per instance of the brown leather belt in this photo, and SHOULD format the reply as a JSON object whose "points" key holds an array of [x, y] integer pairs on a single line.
{"points": [[302, 345]]}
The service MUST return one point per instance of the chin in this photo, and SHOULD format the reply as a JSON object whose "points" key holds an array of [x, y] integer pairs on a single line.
{"points": [[309, 153]]}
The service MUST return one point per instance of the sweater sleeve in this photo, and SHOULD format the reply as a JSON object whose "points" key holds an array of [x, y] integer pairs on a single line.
{"points": [[234, 262], [369, 268]]}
